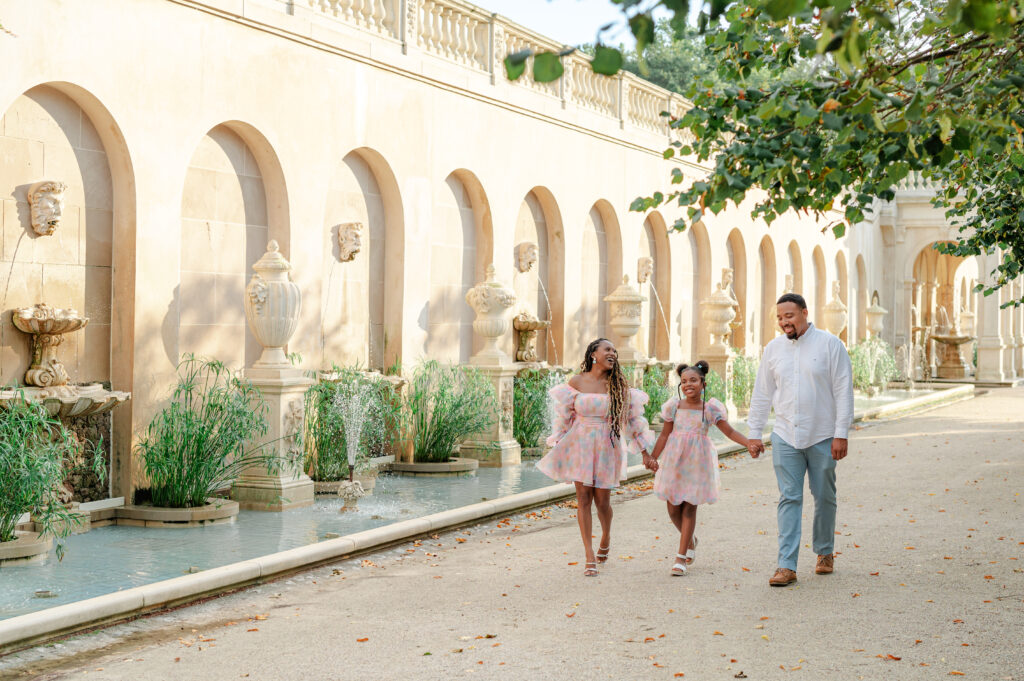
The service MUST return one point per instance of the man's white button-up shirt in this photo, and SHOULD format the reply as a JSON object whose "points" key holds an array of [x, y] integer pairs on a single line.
{"points": [[809, 381]]}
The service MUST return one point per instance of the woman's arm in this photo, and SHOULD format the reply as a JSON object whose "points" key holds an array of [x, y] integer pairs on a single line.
{"points": [[651, 460]]}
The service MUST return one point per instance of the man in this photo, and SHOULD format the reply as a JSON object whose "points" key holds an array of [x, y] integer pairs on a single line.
{"points": [[806, 376]]}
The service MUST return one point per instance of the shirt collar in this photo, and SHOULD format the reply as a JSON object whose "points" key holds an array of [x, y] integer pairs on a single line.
{"points": [[810, 328]]}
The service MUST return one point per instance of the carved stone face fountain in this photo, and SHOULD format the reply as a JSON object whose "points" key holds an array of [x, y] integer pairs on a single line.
{"points": [[951, 340], [47, 379], [527, 325], [46, 203]]}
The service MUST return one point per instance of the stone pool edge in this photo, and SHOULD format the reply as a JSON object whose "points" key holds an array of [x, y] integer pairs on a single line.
{"points": [[33, 628]]}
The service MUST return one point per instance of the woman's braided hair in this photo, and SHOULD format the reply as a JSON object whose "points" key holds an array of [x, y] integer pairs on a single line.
{"points": [[618, 389]]}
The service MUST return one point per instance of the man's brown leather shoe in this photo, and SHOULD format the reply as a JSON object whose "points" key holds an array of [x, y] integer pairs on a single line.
{"points": [[824, 566], [782, 577]]}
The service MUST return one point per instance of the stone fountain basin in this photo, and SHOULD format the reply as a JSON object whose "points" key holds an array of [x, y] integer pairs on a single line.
{"points": [[951, 340], [69, 400], [42, 319], [529, 324]]}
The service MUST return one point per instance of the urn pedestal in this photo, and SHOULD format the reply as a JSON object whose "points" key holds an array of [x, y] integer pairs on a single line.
{"points": [[835, 313], [272, 305], [718, 312], [624, 314], [491, 301]]}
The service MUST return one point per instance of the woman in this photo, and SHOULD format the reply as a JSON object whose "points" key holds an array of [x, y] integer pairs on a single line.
{"points": [[593, 413]]}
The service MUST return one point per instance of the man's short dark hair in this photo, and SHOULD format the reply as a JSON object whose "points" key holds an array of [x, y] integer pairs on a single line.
{"points": [[793, 298]]}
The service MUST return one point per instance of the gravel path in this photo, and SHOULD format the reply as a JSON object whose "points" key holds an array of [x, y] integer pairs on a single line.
{"points": [[928, 584]]}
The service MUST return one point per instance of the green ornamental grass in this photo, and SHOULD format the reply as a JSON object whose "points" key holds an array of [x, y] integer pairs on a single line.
{"points": [[33, 449], [446, 405], [194, 446], [656, 386]]}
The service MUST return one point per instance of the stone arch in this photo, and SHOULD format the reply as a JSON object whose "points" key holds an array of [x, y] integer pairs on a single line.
{"points": [[233, 203], [842, 277], [737, 253], [769, 281], [540, 222], [658, 289], [362, 299], [796, 267], [461, 248], [601, 270], [700, 252], [817, 302], [861, 315]]}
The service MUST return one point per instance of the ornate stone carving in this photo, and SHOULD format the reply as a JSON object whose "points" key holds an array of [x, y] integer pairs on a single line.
{"points": [[272, 305], [47, 326], [293, 427], [835, 315], [624, 305], [491, 301], [644, 269], [46, 203], [350, 492], [506, 407], [876, 316], [349, 240], [527, 325], [526, 256], [789, 287]]}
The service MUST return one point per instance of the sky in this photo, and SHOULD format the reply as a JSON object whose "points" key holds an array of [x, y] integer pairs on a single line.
{"points": [[568, 21]]}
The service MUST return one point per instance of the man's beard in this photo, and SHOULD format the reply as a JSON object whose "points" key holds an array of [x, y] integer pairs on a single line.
{"points": [[792, 335]]}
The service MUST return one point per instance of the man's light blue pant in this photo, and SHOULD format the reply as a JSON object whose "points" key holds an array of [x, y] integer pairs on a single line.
{"points": [[790, 465]]}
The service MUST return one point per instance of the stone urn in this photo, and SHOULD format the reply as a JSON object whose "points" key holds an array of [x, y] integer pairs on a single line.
{"points": [[718, 312], [876, 317], [835, 314], [624, 304], [527, 326], [47, 326], [272, 304], [490, 301]]}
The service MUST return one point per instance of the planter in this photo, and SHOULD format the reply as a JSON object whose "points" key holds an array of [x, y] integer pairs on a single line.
{"points": [[215, 512], [28, 548], [454, 467]]}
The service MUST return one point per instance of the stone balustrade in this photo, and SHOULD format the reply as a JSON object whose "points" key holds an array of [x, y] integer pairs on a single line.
{"points": [[467, 35]]}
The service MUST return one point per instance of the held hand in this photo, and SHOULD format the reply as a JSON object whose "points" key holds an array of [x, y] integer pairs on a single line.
{"points": [[839, 448], [755, 447], [650, 463]]}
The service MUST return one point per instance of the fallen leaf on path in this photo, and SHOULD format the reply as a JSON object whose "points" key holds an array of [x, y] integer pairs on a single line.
{"points": [[989, 577], [765, 618], [874, 574], [718, 633], [745, 569], [649, 638], [253, 629], [678, 675], [362, 640], [570, 614], [956, 673], [575, 562], [460, 540]]}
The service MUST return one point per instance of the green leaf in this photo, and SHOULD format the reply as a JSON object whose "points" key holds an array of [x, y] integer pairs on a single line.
{"points": [[980, 15], [607, 60], [515, 64], [832, 121], [839, 230], [547, 67], [642, 27], [783, 9]]}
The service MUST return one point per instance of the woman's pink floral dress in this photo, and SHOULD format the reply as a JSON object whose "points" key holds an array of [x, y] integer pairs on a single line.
{"points": [[688, 466], [582, 448]]}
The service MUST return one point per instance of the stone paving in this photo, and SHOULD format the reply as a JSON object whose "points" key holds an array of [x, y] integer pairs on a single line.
{"points": [[929, 584]]}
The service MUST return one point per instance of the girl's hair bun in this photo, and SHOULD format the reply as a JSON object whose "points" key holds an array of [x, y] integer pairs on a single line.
{"points": [[703, 366], [680, 368]]}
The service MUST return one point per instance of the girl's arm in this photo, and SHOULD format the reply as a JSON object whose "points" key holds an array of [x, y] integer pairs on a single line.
{"points": [[733, 434], [651, 460]]}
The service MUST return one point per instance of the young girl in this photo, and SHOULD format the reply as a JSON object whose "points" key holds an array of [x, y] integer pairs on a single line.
{"points": [[594, 413], [688, 476]]}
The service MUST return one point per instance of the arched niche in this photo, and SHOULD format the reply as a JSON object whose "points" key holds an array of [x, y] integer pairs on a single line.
{"points": [[861, 315], [842, 277], [601, 270], [796, 267], [818, 299], [233, 203], [658, 288], [700, 252], [362, 298], [61, 132], [737, 252], [541, 290], [461, 248], [766, 260]]}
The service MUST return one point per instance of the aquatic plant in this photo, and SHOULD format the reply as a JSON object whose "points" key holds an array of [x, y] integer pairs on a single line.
{"points": [[744, 373], [873, 363], [33, 449], [194, 445], [531, 408], [655, 384], [447, 404]]}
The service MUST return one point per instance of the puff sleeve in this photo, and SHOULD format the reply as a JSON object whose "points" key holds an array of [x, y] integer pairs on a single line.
{"points": [[563, 400], [638, 432], [716, 411], [668, 410]]}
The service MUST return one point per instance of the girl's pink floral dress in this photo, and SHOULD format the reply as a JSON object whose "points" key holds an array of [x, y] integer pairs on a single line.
{"points": [[582, 449], [688, 466]]}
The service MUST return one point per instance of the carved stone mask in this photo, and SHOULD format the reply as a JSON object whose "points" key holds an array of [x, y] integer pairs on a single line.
{"points": [[46, 200], [644, 269], [526, 256], [349, 240]]}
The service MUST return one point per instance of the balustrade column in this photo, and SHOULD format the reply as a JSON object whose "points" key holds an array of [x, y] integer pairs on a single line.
{"points": [[623, 106], [1010, 367], [1018, 325]]}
